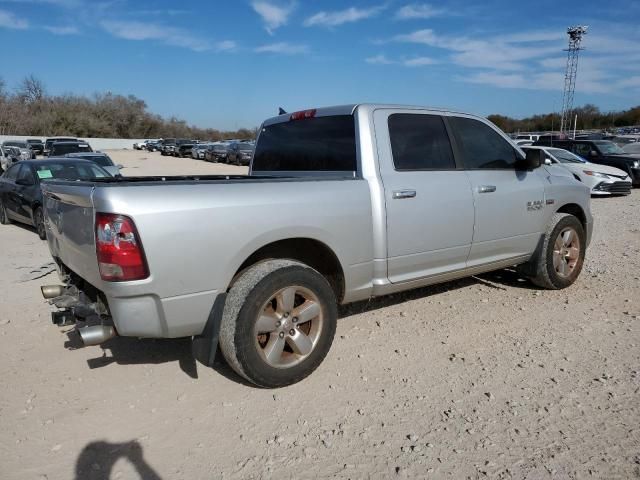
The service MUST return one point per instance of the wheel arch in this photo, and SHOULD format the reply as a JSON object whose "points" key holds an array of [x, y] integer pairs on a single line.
{"points": [[312, 252], [575, 210]]}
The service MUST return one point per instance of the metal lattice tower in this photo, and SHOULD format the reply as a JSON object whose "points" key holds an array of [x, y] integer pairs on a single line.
{"points": [[575, 38]]}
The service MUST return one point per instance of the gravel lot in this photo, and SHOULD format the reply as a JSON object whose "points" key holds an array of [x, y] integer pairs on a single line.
{"points": [[483, 377]]}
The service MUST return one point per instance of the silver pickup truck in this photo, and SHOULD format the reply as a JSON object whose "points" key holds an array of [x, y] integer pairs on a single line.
{"points": [[341, 204]]}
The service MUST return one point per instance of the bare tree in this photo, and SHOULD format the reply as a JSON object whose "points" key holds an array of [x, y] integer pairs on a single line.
{"points": [[31, 90]]}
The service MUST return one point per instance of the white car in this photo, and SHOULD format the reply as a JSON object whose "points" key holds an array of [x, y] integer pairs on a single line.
{"points": [[602, 179], [140, 145]]}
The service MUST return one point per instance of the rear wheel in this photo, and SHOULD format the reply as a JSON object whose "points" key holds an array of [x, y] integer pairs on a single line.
{"points": [[278, 323], [562, 255], [38, 220], [4, 217]]}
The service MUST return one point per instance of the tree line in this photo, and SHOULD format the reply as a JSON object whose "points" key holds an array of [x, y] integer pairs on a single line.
{"points": [[29, 110], [589, 118]]}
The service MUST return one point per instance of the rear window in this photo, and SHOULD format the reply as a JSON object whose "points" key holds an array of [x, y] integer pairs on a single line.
{"points": [[326, 144], [58, 149]]}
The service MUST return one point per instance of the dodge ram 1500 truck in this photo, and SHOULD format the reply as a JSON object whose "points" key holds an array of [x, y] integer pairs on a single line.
{"points": [[341, 204]]}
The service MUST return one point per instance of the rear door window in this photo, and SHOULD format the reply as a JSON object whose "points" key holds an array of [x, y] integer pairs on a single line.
{"points": [[311, 144], [420, 142], [482, 147]]}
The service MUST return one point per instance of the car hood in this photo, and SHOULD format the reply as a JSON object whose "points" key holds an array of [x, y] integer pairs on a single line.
{"points": [[596, 167]]}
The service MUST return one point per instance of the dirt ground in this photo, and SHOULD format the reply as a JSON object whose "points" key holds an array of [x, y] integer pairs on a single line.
{"points": [[483, 377]]}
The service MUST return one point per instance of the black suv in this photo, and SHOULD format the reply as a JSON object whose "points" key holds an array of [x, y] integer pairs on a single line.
{"points": [[60, 149], [179, 143], [604, 152], [37, 146]]}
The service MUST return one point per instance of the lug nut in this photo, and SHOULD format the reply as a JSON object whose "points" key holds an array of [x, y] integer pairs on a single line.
{"points": [[286, 314], [295, 319], [292, 332], [281, 334], [278, 323]]}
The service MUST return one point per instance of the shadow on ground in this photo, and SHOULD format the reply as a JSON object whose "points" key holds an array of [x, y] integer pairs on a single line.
{"points": [[133, 351], [97, 459]]}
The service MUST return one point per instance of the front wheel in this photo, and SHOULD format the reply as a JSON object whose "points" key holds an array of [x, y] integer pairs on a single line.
{"points": [[38, 220], [562, 255], [278, 323]]}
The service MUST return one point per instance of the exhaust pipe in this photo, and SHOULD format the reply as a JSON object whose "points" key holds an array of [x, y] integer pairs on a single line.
{"points": [[97, 334], [52, 291]]}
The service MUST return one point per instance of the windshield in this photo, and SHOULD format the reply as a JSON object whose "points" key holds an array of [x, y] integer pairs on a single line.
{"points": [[16, 144], [34, 141], [70, 171], [102, 160], [245, 146], [220, 148], [563, 156], [609, 148]]}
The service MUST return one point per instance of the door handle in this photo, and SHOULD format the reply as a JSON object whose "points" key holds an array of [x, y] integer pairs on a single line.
{"points": [[398, 194], [486, 188]]}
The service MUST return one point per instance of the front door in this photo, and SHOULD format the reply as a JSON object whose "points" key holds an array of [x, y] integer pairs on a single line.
{"points": [[509, 201], [429, 203]]}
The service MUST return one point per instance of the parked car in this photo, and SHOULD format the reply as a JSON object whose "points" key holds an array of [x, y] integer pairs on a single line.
{"points": [[341, 204], [60, 149], [49, 141], [527, 136], [26, 153], [141, 145], [240, 153], [179, 142], [8, 156], [167, 146], [99, 158], [603, 152], [154, 145], [217, 152], [36, 145], [601, 179], [20, 193], [198, 151], [183, 150]]}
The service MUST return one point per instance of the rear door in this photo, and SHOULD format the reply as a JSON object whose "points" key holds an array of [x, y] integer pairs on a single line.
{"points": [[9, 190], [429, 202], [509, 202]]}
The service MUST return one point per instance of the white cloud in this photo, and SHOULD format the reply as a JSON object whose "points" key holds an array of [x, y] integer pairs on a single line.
{"points": [[9, 20], [69, 30], [379, 60], [226, 46], [134, 30], [500, 53], [283, 48], [274, 16], [333, 19], [419, 62], [419, 10], [382, 59]]}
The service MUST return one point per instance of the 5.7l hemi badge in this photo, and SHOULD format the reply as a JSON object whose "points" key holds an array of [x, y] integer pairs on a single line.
{"points": [[535, 205]]}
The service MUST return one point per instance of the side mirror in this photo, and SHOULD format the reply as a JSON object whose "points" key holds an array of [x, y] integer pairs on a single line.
{"points": [[547, 161], [593, 153], [120, 166], [534, 158]]}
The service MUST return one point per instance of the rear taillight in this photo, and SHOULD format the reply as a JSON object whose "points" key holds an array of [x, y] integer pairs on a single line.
{"points": [[120, 254]]}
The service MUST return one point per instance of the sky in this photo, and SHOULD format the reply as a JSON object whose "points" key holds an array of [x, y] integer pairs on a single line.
{"points": [[231, 64]]}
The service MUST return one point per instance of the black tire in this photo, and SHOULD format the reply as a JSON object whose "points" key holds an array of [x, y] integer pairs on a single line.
{"points": [[38, 221], [4, 217], [547, 275], [244, 305]]}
